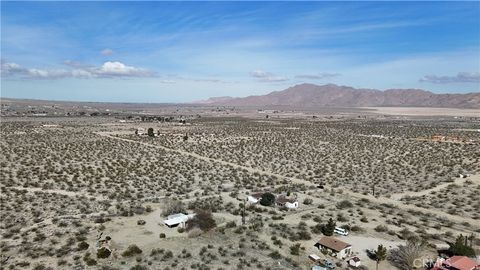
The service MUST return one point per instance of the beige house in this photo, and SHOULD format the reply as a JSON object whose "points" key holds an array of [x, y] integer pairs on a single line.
{"points": [[338, 248]]}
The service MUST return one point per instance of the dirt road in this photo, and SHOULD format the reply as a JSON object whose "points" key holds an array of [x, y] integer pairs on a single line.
{"points": [[458, 181], [377, 200], [60, 192]]}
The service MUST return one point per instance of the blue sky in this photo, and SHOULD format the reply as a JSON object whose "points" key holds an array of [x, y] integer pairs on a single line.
{"points": [[186, 51]]}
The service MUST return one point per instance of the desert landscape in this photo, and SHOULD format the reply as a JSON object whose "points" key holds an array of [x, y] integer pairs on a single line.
{"points": [[215, 135], [77, 184]]}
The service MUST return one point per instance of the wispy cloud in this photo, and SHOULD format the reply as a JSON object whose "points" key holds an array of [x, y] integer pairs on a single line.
{"points": [[319, 76], [264, 76], [107, 52], [77, 65], [207, 79], [461, 77], [167, 81], [106, 70]]}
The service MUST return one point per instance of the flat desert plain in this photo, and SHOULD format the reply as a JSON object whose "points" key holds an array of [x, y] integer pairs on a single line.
{"points": [[93, 191]]}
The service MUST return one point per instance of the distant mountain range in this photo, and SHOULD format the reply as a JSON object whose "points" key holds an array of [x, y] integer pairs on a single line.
{"points": [[331, 95]]}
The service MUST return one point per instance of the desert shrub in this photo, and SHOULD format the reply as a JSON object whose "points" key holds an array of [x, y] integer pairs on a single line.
{"points": [[173, 207], [307, 201], [356, 228], [329, 228], [344, 204], [194, 232], [381, 228], [404, 256], [267, 199], [203, 220], [317, 228], [139, 267], [275, 255], [89, 261], [460, 247], [40, 266], [150, 132], [231, 224], [295, 249], [103, 253], [341, 218], [83, 245], [131, 251], [406, 234], [162, 235], [304, 235]]}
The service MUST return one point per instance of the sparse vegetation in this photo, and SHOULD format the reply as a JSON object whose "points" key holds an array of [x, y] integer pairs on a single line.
{"points": [[62, 187]]}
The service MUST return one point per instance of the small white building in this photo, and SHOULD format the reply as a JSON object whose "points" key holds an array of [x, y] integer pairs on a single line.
{"points": [[178, 220], [283, 201], [254, 198], [355, 262]]}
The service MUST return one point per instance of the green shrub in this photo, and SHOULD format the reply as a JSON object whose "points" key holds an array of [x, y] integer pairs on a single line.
{"points": [[295, 249], [90, 261], [307, 201], [344, 204], [131, 251], [275, 255], [83, 245], [381, 228], [103, 253], [203, 220], [267, 199]]}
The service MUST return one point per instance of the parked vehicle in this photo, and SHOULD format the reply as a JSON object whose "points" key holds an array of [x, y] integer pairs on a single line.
{"points": [[341, 231], [314, 257], [328, 264], [371, 254]]}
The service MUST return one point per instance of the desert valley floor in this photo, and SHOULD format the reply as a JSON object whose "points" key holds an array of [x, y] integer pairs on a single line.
{"points": [[68, 183]]}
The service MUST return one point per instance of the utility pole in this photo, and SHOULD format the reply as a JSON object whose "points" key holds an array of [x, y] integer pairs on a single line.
{"points": [[243, 215]]}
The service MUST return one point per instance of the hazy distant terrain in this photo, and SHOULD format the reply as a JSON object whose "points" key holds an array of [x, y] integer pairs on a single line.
{"points": [[331, 95]]}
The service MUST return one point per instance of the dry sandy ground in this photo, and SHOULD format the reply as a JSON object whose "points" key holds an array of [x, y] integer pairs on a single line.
{"points": [[458, 181], [361, 243], [378, 200], [419, 111], [60, 191]]}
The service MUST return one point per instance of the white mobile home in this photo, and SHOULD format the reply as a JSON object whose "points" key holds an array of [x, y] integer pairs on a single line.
{"points": [[178, 220]]}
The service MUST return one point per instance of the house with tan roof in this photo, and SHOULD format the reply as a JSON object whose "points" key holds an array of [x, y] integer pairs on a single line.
{"points": [[336, 247]]}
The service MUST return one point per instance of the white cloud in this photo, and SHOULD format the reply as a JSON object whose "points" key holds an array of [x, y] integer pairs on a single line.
{"points": [[48, 74], [319, 76], [263, 76], [107, 52], [118, 69], [11, 69], [461, 77], [107, 70]]}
